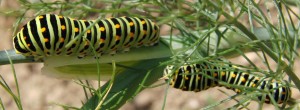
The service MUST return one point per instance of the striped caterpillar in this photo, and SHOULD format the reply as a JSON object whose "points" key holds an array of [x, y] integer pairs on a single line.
{"points": [[190, 77], [49, 35]]}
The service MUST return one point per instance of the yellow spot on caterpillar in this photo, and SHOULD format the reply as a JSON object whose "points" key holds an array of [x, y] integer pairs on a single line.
{"points": [[143, 22], [222, 73], [102, 29], [46, 40], [117, 26], [101, 41], [63, 27], [41, 17], [131, 34], [117, 37], [215, 74], [233, 75], [76, 29], [28, 45], [253, 85], [186, 78], [60, 17], [243, 79], [88, 31], [283, 93], [43, 29], [61, 40], [131, 23], [24, 37], [145, 31]]}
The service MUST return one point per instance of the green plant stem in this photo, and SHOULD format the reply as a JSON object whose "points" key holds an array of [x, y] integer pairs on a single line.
{"points": [[16, 81], [140, 76], [16, 58]]}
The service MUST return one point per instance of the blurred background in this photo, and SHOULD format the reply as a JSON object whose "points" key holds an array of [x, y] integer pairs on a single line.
{"points": [[40, 92]]}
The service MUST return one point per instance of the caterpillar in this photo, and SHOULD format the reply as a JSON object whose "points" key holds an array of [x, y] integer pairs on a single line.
{"points": [[198, 77], [49, 34]]}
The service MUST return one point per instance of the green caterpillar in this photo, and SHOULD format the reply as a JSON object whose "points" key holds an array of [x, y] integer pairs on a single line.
{"points": [[48, 35], [190, 77]]}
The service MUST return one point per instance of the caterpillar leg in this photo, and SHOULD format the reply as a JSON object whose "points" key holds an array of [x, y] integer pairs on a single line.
{"points": [[126, 50], [113, 52], [39, 59], [80, 56], [98, 55]]}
